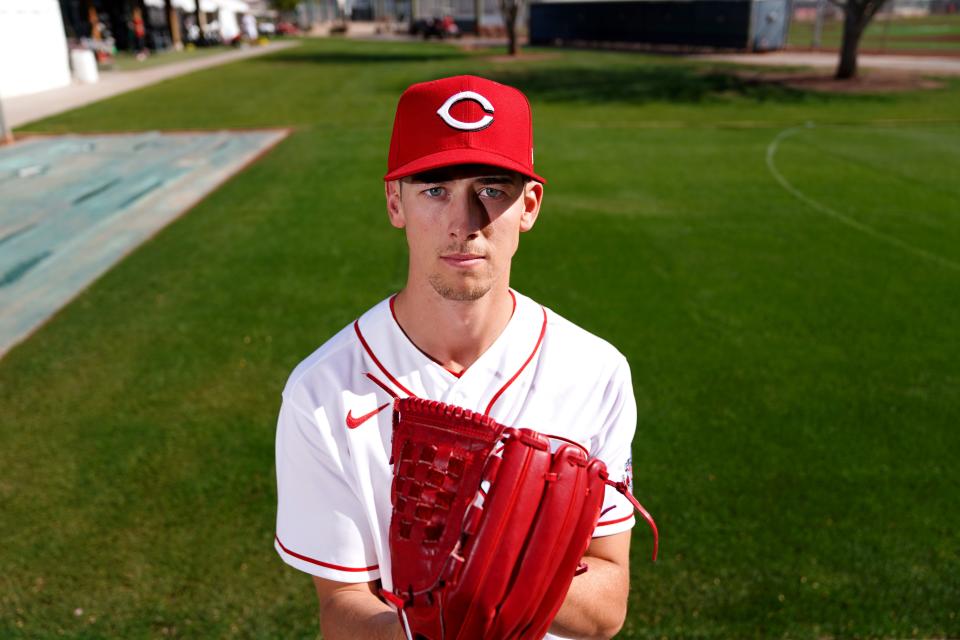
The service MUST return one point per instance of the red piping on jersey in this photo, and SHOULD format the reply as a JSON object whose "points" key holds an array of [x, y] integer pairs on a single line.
{"points": [[382, 385], [321, 563], [536, 347], [569, 441], [393, 312], [356, 327], [623, 519]]}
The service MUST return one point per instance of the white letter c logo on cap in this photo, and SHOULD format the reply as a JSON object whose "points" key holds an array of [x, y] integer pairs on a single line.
{"points": [[444, 111]]}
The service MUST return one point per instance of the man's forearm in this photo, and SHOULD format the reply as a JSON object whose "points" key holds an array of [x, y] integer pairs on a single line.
{"points": [[596, 605], [354, 614]]}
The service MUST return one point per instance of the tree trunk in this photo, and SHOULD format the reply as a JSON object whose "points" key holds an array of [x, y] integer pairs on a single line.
{"points": [[510, 9], [853, 24], [201, 19], [512, 39], [173, 21]]}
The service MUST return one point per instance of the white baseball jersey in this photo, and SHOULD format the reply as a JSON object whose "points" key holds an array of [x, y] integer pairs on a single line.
{"points": [[334, 429]]}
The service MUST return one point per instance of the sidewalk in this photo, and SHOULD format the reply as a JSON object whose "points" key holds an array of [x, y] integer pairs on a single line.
{"points": [[930, 65], [23, 109]]}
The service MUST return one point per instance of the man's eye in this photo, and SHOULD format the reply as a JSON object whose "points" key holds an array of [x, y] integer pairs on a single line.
{"points": [[434, 192], [491, 192]]}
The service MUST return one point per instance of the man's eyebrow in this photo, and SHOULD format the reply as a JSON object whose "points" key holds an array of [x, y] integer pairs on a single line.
{"points": [[426, 179], [496, 179]]}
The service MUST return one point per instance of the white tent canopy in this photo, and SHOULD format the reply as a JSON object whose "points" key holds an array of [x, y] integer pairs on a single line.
{"points": [[238, 6], [226, 11], [207, 6]]}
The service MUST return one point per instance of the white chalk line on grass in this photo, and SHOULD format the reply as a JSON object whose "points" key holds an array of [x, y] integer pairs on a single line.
{"points": [[842, 217], [748, 124]]}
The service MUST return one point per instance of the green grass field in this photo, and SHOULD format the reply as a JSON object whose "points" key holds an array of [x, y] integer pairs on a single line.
{"points": [[887, 33], [788, 298]]}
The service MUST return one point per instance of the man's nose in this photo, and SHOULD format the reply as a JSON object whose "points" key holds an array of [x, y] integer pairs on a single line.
{"points": [[467, 214]]}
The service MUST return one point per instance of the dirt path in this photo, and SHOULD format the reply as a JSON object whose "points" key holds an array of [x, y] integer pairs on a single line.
{"points": [[938, 66]]}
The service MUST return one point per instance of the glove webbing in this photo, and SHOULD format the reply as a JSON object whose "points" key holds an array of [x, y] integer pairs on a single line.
{"points": [[438, 469]]}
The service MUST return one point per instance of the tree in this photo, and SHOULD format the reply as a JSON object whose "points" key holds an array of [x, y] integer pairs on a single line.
{"points": [[857, 14], [510, 9], [201, 20], [173, 23]]}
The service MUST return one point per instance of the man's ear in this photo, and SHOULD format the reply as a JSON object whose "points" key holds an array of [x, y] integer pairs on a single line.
{"points": [[391, 190], [532, 198]]}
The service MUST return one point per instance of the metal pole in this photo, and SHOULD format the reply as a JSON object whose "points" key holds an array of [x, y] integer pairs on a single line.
{"points": [[6, 135], [886, 24]]}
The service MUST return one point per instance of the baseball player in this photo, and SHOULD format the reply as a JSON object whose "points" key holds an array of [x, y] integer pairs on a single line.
{"points": [[462, 186]]}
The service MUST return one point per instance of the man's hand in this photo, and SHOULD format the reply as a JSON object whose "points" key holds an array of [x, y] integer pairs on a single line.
{"points": [[350, 611], [596, 605]]}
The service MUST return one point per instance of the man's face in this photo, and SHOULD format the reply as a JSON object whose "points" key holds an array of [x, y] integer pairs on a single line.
{"points": [[463, 225]]}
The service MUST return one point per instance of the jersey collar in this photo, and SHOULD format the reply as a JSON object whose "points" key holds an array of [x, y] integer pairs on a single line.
{"points": [[399, 363]]}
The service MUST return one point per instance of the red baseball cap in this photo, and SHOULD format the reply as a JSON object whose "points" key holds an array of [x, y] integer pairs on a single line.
{"points": [[461, 120]]}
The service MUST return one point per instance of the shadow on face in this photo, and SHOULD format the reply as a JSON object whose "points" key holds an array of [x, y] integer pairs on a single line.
{"points": [[462, 171]]}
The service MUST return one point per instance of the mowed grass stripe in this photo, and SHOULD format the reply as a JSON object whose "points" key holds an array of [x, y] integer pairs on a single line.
{"points": [[797, 383]]}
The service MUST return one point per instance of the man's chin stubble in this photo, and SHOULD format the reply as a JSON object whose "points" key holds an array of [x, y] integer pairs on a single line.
{"points": [[465, 293]]}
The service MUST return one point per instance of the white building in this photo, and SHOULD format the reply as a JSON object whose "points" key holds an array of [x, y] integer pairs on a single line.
{"points": [[33, 47]]}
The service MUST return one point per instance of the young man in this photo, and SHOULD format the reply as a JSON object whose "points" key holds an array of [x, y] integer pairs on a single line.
{"points": [[461, 184]]}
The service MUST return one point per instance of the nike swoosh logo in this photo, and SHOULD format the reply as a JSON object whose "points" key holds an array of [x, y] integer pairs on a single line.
{"points": [[353, 423]]}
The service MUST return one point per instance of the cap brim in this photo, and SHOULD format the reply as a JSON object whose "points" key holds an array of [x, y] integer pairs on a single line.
{"points": [[454, 157]]}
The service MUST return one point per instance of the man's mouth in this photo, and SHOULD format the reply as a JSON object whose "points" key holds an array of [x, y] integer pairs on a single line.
{"points": [[463, 259]]}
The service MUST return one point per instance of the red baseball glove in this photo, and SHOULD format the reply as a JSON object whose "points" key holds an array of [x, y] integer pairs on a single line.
{"points": [[488, 525]]}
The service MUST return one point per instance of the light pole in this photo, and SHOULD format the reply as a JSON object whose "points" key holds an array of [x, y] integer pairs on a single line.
{"points": [[6, 135], [818, 24]]}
